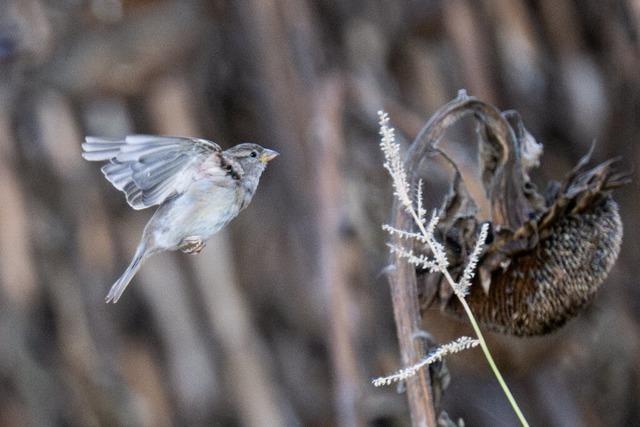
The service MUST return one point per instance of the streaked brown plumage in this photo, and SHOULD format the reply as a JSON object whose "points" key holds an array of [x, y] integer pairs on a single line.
{"points": [[546, 255]]}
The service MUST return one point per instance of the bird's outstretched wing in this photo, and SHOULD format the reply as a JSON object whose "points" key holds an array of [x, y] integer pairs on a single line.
{"points": [[149, 169]]}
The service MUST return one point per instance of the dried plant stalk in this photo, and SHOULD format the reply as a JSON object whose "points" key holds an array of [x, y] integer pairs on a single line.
{"points": [[402, 186], [548, 254]]}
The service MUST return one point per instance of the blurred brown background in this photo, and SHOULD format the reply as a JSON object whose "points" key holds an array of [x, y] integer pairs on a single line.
{"points": [[286, 316]]}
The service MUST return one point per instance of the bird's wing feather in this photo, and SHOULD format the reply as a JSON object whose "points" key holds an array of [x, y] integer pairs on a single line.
{"points": [[149, 169]]}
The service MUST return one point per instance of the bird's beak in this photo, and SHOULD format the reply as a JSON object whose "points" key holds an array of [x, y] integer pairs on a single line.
{"points": [[268, 155]]}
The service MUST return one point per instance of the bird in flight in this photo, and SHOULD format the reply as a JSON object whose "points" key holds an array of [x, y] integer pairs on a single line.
{"points": [[198, 188]]}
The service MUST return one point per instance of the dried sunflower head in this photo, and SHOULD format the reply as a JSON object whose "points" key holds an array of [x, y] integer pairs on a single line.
{"points": [[547, 253]]}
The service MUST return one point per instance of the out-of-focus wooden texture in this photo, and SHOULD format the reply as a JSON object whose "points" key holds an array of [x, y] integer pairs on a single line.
{"points": [[286, 315]]}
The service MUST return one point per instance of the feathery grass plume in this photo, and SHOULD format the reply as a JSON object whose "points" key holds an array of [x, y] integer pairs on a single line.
{"points": [[437, 263], [403, 234], [420, 206], [393, 162], [436, 247], [462, 343], [462, 287], [417, 260]]}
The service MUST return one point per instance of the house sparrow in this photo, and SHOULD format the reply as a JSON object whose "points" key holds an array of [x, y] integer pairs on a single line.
{"points": [[199, 188]]}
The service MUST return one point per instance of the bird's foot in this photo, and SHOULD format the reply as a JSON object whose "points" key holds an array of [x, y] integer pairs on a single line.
{"points": [[192, 245]]}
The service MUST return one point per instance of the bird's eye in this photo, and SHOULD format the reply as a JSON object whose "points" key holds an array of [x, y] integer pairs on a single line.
{"points": [[253, 154]]}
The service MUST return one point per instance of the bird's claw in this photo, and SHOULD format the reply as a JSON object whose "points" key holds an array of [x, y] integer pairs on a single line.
{"points": [[192, 245]]}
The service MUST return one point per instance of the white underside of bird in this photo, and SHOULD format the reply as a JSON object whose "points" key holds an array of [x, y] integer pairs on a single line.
{"points": [[191, 214]]}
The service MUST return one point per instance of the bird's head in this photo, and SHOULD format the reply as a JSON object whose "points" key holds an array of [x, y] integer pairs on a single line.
{"points": [[252, 157]]}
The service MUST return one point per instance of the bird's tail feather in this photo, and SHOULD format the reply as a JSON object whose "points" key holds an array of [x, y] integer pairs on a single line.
{"points": [[121, 284]]}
